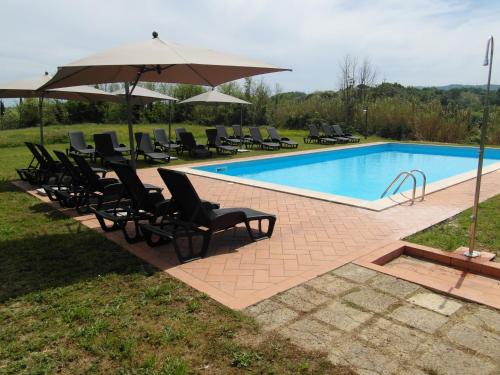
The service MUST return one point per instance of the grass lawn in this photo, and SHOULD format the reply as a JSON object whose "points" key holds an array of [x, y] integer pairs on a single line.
{"points": [[453, 233], [72, 302]]}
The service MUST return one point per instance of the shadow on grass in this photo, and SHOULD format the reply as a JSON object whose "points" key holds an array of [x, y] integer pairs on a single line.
{"points": [[52, 260]]}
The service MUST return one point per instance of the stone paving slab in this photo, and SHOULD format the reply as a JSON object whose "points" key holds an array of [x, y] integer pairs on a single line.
{"points": [[417, 317], [435, 302]]}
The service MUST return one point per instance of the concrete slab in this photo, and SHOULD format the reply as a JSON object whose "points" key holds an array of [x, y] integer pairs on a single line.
{"points": [[425, 320], [311, 335], [355, 273], [330, 284], [301, 298], [370, 300], [271, 314], [436, 302], [342, 316]]}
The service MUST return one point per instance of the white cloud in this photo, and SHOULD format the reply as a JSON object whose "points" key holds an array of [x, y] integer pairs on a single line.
{"points": [[412, 42]]}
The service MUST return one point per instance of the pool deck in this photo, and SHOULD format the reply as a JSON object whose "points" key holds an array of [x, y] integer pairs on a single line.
{"points": [[311, 236]]}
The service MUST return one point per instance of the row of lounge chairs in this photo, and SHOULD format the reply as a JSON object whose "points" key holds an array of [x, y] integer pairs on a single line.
{"points": [[140, 210], [109, 149], [331, 134]]}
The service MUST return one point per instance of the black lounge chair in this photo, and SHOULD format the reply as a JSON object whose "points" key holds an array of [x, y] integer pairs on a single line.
{"points": [[238, 134], [225, 138], [194, 149], [329, 133], [213, 141], [178, 132], [339, 132], [163, 142], [258, 140], [145, 203], [105, 150], [30, 172], [52, 168], [78, 145], [70, 189], [119, 147], [37, 168], [95, 189], [314, 136], [283, 141], [145, 148], [195, 217]]}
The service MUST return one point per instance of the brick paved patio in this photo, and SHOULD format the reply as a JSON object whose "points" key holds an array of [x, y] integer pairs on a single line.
{"points": [[311, 237]]}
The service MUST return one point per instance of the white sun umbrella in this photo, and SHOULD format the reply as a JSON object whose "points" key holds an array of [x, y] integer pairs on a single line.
{"points": [[30, 88], [214, 96], [143, 96], [156, 60]]}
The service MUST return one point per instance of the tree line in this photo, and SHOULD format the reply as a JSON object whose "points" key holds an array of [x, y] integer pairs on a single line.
{"points": [[360, 104]]}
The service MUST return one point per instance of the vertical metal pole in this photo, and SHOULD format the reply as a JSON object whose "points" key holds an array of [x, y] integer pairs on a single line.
{"points": [[40, 113], [169, 125], [484, 125], [130, 126], [241, 115]]}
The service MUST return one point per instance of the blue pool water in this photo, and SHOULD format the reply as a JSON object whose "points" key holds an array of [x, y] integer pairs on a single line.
{"points": [[362, 172]]}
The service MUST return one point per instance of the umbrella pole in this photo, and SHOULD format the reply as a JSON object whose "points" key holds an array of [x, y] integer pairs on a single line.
{"points": [[473, 226], [169, 124], [40, 113], [241, 114], [130, 126]]}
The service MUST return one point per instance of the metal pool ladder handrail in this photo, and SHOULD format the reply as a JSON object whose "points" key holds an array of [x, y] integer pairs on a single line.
{"points": [[406, 176]]}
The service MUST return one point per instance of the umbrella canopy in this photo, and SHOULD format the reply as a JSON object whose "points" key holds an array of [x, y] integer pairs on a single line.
{"points": [[143, 96], [156, 60], [214, 97], [31, 88]]}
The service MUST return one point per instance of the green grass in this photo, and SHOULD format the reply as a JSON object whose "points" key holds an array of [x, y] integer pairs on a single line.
{"points": [[453, 233], [72, 302]]}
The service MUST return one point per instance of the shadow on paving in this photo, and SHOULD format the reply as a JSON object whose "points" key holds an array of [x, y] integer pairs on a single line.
{"points": [[48, 261]]}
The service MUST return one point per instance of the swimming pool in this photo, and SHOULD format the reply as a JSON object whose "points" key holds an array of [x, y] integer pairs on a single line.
{"points": [[355, 175]]}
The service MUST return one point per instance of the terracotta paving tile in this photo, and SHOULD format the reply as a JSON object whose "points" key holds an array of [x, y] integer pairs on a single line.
{"points": [[311, 237]]}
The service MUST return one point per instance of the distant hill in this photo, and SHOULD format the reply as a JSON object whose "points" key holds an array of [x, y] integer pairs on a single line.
{"points": [[457, 86]]}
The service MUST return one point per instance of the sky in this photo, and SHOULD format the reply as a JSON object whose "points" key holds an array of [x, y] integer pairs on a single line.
{"points": [[412, 42]]}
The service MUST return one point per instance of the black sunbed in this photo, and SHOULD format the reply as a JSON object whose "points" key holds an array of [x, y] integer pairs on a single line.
{"points": [[32, 171], [194, 149], [145, 202], [314, 136], [329, 133], [238, 134], [338, 130], [214, 141], [163, 142], [258, 140], [145, 148], [283, 141], [119, 147], [195, 217], [102, 189], [104, 148], [78, 145], [225, 138]]}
